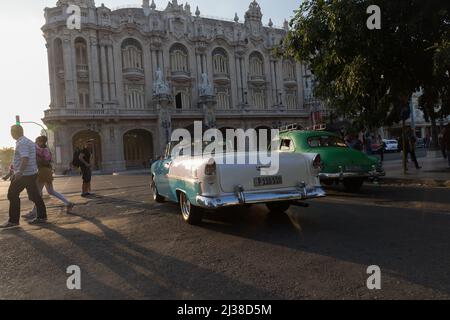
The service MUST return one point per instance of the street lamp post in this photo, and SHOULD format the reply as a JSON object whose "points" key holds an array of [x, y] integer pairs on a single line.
{"points": [[166, 125]]}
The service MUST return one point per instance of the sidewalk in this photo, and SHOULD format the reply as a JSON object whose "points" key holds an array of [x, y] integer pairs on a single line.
{"points": [[435, 172], [136, 172]]}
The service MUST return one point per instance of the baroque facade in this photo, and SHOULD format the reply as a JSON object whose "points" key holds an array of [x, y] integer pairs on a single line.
{"points": [[129, 76]]}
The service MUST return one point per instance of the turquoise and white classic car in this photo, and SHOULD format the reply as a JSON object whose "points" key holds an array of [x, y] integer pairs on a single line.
{"points": [[201, 183]]}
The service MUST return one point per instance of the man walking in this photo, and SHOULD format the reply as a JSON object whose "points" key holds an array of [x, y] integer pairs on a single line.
{"points": [[86, 171], [411, 141], [441, 143], [446, 141], [25, 177]]}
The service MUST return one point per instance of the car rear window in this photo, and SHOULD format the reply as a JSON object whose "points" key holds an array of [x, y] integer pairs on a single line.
{"points": [[326, 141]]}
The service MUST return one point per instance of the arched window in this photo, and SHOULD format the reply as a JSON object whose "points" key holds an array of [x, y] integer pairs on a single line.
{"points": [[81, 52], [182, 99], [223, 98], [291, 100], [220, 62], [179, 59], [135, 96], [259, 99], [132, 54], [289, 70], [83, 98], [256, 65]]}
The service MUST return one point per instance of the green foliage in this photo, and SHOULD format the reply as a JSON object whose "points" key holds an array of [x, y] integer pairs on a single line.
{"points": [[368, 75]]}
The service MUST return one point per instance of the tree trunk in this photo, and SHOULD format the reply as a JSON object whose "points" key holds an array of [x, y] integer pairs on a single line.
{"points": [[405, 165], [434, 133]]}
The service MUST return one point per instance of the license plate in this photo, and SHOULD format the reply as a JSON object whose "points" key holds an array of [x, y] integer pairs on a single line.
{"points": [[268, 181]]}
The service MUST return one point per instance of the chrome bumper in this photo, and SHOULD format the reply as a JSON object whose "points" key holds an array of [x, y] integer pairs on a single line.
{"points": [[241, 197], [343, 175]]}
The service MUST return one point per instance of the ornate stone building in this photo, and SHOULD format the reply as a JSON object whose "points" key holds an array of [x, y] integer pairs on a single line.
{"points": [[129, 76]]}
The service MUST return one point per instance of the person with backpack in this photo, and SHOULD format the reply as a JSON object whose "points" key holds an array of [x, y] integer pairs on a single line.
{"points": [[45, 175], [82, 160]]}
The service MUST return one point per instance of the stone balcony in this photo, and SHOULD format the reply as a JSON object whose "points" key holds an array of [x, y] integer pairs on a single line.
{"points": [[180, 76], [82, 71], [257, 80], [133, 74], [290, 83], [221, 78]]}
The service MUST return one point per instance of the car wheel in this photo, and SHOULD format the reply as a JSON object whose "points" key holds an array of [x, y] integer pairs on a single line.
{"points": [[191, 214], [156, 197], [278, 207], [353, 185]]}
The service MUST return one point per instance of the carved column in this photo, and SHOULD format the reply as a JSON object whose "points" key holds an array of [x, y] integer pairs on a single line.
{"points": [[239, 78], [104, 72], [112, 82], [52, 74], [118, 73], [69, 73], [148, 70], [273, 81], [280, 81], [97, 93]]}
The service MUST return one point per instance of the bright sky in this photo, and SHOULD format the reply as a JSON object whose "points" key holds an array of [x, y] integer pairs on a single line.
{"points": [[24, 80]]}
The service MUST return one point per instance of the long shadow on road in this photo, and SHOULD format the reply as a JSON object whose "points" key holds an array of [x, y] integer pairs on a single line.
{"points": [[408, 244], [159, 276]]}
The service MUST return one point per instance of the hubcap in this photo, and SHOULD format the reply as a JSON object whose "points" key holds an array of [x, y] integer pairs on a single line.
{"points": [[185, 206]]}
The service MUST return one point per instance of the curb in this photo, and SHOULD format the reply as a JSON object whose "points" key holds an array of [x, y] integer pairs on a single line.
{"points": [[416, 182]]}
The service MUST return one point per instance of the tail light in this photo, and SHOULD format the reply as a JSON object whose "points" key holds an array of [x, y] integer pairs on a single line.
{"points": [[211, 168], [317, 163]]}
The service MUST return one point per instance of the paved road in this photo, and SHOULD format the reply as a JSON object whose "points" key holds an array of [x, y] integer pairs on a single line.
{"points": [[129, 247]]}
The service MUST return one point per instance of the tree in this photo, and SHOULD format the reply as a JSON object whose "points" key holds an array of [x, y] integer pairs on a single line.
{"points": [[435, 100], [6, 157], [368, 75]]}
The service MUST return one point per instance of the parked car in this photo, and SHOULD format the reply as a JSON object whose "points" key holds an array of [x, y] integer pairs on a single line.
{"points": [[377, 148], [391, 145], [339, 162], [200, 184], [420, 143]]}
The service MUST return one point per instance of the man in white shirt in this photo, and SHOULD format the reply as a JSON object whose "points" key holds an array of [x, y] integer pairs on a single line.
{"points": [[25, 176]]}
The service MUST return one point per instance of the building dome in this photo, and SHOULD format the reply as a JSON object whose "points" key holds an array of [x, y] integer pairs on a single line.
{"points": [[254, 12], [80, 3]]}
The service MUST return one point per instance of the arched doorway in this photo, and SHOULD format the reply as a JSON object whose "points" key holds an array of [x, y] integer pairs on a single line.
{"points": [[92, 140], [138, 149]]}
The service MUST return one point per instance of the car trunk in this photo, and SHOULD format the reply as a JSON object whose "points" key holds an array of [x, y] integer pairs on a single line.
{"points": [[347, 158], [245, 175]]}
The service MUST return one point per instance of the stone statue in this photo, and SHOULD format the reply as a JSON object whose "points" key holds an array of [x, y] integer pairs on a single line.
{"points": [[205, 88], [160, 86]]}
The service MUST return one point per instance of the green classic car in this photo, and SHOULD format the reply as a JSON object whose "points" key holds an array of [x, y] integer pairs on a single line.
{"points": [[339, 162]]}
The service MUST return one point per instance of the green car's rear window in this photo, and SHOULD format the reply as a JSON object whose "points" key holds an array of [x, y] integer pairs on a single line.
{"points": [[326, 141]]}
